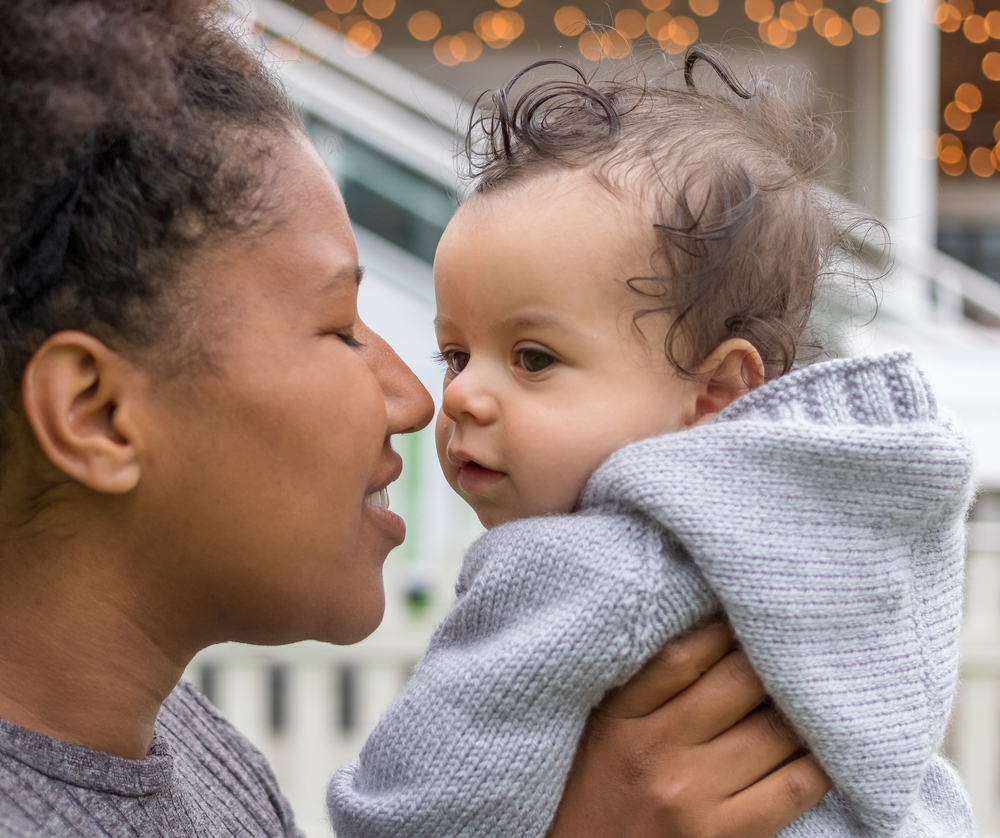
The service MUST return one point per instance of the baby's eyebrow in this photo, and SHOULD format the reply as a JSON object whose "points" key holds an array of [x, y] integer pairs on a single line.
{"points": [[535, 320]]}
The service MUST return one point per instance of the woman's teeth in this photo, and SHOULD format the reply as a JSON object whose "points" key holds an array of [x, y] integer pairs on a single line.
{"points": [[379, 499]]}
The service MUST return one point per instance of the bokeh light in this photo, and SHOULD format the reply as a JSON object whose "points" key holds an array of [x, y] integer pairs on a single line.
{"points": [[793, 17], [680, 33], [964, 7], [424, 26], [595, 45], [968, 97], [615, 44], [362, 37], [656, 22], [508, 4], [956, 118], [822, 18], [454, 49], [589, 45], [656, 5], [341, 7], [981, 162], [473, 46], [839, 32], [809, 7], [443, 52], [776, 33], [947, 141], [947, 17], [498, 29], [379, 9], [759, 10], [630, 23], [570, 20], [974, 29], [953, 162], [704, 8], [993, 24], [865, 20]]}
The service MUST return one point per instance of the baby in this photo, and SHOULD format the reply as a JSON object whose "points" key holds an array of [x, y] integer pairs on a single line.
{"points": [[620, 302]]}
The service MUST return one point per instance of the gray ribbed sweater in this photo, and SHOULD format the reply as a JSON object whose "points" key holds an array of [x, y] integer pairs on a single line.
{"points": [[824, 513], [201, 779]]}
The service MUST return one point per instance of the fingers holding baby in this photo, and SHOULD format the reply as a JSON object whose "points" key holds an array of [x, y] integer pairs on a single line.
{"points": [[686, 748]]}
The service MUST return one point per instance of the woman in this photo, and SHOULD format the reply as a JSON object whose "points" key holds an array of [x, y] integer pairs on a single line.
{"points": [[196, 431]]}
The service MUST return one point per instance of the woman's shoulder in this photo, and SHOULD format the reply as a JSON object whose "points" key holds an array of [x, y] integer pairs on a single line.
{"points": [[201, 777]]}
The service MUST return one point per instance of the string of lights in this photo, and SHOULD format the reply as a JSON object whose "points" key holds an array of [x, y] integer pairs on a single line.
{"points": [[674, 25]]}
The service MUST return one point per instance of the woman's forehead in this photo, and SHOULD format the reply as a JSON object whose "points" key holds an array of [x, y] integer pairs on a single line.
{"points": [[302, 250]]}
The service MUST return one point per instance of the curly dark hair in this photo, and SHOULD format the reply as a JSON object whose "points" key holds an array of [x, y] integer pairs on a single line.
{"points": [[132, 132], [744, 235]]}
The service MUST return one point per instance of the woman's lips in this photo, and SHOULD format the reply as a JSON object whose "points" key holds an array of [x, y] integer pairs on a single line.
{"points": [[476, 479], [377, 506]]}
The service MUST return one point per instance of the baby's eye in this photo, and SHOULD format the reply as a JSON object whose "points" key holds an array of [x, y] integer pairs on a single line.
{"points": [[455, 361], [534, 360]]}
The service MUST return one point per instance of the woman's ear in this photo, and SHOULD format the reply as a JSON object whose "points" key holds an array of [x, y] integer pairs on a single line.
{"points": [[732, 369], [78, 396]]}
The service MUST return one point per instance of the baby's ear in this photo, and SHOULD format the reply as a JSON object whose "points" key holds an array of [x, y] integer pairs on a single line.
{"points": [[732, 369]]}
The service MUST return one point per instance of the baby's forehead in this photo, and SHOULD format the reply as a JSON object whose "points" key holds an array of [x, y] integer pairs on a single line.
{"points": [[612, 217], [561, 246]]}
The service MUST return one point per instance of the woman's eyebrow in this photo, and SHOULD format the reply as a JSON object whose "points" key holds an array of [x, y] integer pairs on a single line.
{"points": [[345, 274]]}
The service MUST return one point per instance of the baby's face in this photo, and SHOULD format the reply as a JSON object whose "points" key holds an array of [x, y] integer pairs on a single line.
{"points": [[546, 374]]}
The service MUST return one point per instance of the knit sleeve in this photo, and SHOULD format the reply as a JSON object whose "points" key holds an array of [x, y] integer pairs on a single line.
{"points": [[555, 612]]}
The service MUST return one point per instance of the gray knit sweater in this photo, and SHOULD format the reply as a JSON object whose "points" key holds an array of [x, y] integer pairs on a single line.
{"points": [[201, 779], [823, 512]]}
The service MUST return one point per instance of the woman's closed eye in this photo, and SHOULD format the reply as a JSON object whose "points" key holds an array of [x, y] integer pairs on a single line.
{"points": [[350, 340], [453, 360]]}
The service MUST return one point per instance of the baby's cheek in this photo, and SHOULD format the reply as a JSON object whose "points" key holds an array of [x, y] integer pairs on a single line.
{"points": [[443, 429], [557, 483]]}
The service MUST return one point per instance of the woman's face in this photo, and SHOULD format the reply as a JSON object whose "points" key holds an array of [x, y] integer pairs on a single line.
{"points": [[262, 483]]}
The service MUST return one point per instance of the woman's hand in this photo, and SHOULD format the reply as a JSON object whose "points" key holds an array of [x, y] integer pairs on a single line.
{"points": [[684, 750]]}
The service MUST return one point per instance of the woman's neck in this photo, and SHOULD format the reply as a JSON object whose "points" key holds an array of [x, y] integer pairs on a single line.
{"points": [[80, 657]]}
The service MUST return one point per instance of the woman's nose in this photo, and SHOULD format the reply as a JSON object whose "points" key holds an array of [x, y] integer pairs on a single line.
{"points": [[465, 396], [408, 405]]}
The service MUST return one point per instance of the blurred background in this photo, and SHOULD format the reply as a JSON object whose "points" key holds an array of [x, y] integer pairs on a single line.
{"points": [[386, 88]]}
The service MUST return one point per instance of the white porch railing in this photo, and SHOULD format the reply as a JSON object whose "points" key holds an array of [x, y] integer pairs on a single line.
{"points": [[307, 706]]}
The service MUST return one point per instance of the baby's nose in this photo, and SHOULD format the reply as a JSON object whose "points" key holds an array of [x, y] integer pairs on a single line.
{"points": [[469, 397]]}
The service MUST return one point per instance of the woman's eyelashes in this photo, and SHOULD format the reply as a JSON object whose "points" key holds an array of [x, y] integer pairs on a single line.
{"points": [[346, 335]]}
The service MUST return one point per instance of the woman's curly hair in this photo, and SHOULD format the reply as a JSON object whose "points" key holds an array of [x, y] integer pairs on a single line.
{"points": [[744, 235], [131, 133]]}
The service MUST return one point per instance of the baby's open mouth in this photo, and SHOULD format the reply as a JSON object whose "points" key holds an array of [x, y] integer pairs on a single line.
{"points": [[476, 478]]}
